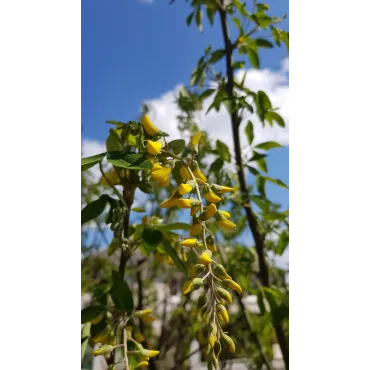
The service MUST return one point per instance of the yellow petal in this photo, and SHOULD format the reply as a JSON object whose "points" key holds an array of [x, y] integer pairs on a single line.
{"points": [[148, 352], [187, 287], [184, 203], [232, 285], [198, 175], [226, 224], [223, 312], [153, 147], [142, 313], [212, 197], [156, 166], [139, 337], [211, 210], [142, 365], [195, 229], [194, 211], [112, 177], [195, 139], [168, 203], [185, 173], [148, 319], [164, 184], [184, 189], [205, 258], [212, 247], [161, 175], [189, 243], [148, 126], [226, 214]]}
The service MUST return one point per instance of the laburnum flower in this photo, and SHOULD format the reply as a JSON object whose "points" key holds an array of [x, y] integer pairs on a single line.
{"points": [[229, 283], [189, 242], [112, 176], [153, 147], [170, 202], [149, 127], [103, 350], [211, 196], [160, 174], [221, 189], [226, 224], [194, 211], [142, 365], [194, 141], [205, 258], [164, 184], [224, 213], [224, 294], [199, 175], [184, 189], [208, 213], [187, 203], [191, 285], [184, 173], [195, 229], [139, 336], [148, 352], [211, 243]]}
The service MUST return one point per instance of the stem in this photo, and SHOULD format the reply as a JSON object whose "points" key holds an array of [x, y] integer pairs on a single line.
{"points": [[252, 221], [127, 364]]}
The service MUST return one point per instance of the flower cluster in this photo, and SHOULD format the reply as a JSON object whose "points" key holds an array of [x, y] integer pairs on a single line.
{"points": [[201, 198]]}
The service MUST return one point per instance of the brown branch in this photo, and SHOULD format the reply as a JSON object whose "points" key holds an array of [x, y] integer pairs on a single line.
{"points": [[252, 221]]}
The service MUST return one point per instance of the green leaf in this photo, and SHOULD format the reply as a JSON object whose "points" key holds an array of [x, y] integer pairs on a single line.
{"points": [[205, 94], [189, 18], [138, 209], [276, 33], [176, 146], [130, 160], [261, 303], [239, 65], [261, 7], [94, 209], [152, 239], [253, 58], [249, 132], [263, 101], [268, 145], [121, 293], [146, 188], [262, 165], [216, 165], [113, 142], [253, 170], [89, 162], [118, 124], [256, 156], [282, 243], [172, 253], [198, 18], [277, 182], [210, 15], [237, 22], [273, 116], [85, 336], [174, 226], [90, 313], [285, 38], [262, 43], [113, 246], [262, 20], [260, 185], [223, 151], [216, 56]]}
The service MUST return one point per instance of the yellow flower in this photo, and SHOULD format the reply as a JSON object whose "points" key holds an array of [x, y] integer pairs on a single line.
{"points": [[226, 214], [205, 258], [226, 224], [103, 350], [164, 184], [195, 229], [153, 147], [187, 203], [148, 126], [223, 312], [211, 340], [221, 189], [194, 211], [139, 336], [211, 210], [212, 248], [148, 352], [191, 285], [198, 175], [142, 365], [112, 176], [168, 203], [195, 139], [220, 272], [185, 175], [162, 174], [212, 197], [232, 285], [189, 243], [184, 189], [156, 166], [148, 319]]}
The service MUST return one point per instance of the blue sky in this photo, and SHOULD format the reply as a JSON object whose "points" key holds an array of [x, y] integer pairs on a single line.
{"points": [[134, 51]]}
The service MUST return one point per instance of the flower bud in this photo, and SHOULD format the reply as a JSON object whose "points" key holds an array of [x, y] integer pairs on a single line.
{"points": [[153, 147], [103, 350], [149, 127], [220, 272], [208, 213], [184, 173], [148, 352], [222, 312], [191, 285], [205, 258], [221, 189], [142, 365], [224, 294], [212, 197], [226, 224], [141, 313], [228, 342], [161, 175], [225, 214], [200, 268], [195, 229], [229, 283]]}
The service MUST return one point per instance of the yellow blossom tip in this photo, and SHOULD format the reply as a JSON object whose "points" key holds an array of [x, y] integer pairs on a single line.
{"points": [[225, 213], [149, 127], [226, 224], [205, 258], [142, 365], [195, 229], [185, 189], [212, 197], [153, 147], [195, 139], [199, 175], [189, 243]]}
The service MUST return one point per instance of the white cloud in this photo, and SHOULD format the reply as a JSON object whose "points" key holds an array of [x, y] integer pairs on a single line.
{"points": [[163, 110]]}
